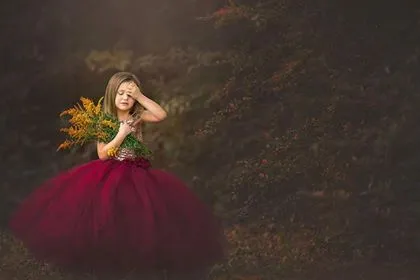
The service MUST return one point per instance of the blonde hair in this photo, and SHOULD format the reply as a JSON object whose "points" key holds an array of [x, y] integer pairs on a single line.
{"points": [[111, 92]]}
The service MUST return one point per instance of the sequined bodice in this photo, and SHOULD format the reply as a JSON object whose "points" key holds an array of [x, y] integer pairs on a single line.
{"points": [[130, 157], [125, 154]]}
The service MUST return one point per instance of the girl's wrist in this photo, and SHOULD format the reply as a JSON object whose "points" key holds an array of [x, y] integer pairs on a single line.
{"points": [[140, 97]]}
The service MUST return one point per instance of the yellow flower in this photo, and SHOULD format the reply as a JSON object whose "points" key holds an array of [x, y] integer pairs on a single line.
{"points": [[65, 145], [70, 112], [80, 119], [98, 106], [112, 152], [87, 122], [88, 105]]}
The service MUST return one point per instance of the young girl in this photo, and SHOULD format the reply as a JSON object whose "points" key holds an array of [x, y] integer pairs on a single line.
{"points": [[117, 214]]}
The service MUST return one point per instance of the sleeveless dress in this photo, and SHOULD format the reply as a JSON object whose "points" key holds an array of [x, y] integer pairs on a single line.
{"points": [[118, 215]]}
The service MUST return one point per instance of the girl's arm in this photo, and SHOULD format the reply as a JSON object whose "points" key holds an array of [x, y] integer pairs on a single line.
{"points": [[103, 148], [154, 112]]}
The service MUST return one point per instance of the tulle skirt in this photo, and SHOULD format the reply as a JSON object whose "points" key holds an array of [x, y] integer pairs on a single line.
{"points": [[119, 216]]}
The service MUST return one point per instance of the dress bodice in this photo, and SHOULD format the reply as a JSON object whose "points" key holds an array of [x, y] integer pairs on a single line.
{"points": [[130, 156], [125, 154], [130, 153]]}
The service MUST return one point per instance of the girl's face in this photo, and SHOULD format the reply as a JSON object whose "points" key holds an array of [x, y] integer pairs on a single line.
{"points": [[123, 101]]}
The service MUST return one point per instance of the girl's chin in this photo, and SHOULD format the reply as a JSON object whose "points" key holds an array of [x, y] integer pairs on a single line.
{"points": [[124, 109]]}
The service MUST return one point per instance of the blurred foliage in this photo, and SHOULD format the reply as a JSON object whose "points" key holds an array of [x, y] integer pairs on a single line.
{"points": [[285, 131], [296, 120]]}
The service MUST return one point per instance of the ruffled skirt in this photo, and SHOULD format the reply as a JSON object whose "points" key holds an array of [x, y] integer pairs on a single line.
{"points": [[119, 216]]}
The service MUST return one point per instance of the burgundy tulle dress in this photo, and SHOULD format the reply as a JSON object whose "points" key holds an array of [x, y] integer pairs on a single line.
{"points": [[118, 215]]}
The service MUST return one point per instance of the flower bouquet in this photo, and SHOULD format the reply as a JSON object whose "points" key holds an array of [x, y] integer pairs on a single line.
{"points": [[88, 123]]}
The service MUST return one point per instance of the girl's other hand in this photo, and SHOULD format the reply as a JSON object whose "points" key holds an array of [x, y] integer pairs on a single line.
{"points": [[125, 128]]}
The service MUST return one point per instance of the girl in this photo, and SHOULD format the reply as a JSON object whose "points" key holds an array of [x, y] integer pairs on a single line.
{"points": [[117, 214]]}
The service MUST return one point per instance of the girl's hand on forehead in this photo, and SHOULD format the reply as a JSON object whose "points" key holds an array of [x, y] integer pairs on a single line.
{"points": [[133, 90]]}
